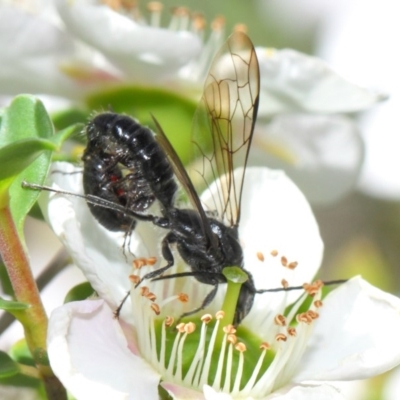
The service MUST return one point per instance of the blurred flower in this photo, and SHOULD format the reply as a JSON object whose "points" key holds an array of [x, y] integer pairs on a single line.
{"points": [[340, 339], [368, 57], [299, 128]]}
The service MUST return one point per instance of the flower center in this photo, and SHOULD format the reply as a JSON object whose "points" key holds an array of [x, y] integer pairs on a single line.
{"points": [[208, 350]]}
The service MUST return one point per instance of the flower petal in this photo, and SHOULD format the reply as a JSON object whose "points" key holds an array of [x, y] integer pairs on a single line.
{"points": [[322, 154], [293, 81], [31, 51], [98, 252], [356, 335], [141, 52], [89, 354], [309, 392]]}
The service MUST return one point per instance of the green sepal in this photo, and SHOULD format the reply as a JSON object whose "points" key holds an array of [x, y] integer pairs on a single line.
{"points": [[79, 292], [8, 367]]}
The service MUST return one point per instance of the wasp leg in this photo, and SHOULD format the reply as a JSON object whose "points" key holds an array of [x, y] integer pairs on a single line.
{"points": [[207, 300], [167, 254], [119, 308]]}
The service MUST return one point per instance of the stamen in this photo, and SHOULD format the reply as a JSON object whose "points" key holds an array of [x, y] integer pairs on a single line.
{"points": [[240, 347], [183, 297], [113, 4], [231, 338], [168, 321], [280, 337], [135, 279], [180, 19], [260, 256], [144, 291], [150, 296], [151, 261], [280, 320], [219, 315], [218, 24], [198, 22], [155, 8], [206, 318], [229, 329], [265, 346], [318, 303], [293, 265], [291, 331], [240, 28], [155, 307]]}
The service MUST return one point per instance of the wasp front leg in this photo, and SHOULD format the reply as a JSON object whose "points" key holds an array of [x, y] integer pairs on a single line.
{"points": [[168, 257]]}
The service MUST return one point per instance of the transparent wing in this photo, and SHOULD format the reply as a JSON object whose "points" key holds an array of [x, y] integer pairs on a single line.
{"points": [[224, 121]]}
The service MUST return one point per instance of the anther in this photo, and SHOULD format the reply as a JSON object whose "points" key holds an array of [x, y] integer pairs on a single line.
{"points": [[318, 303], [284, 283], [291, 331], [134, 279], [155, 6], [231, 338], [312, 314], [206, 318], [274, 253], [280, 337], [241, 347], [265, 346], [280, 320], [190, 327], [219, 314], [113, 4], [144, 291], [229, 329], [129, 4], [284, 261], [180, 11], [151, 296], [198, 22], [168, 321], [151, 261], [260, 256], [304, 317], [293, 265], [218, 23], [240, 28], [156, 308], [183, 297], [181, 327]]}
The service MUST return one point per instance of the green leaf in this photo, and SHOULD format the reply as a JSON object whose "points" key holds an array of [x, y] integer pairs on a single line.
{"points": [[65, 118], [173, 112], [9, 305], [21, 354], [5, 282], [8, 367], [79, 292], [17, 156], [24, 133]]}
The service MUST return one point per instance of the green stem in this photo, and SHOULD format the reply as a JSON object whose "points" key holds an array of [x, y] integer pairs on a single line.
{"points": [[34, 318]]}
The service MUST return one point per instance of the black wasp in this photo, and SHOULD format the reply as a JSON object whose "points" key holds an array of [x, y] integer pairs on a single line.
{"points": [[127, 168]]}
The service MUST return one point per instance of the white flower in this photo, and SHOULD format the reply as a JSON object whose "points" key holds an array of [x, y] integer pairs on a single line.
{"points": [[301, 96], [352, 335], [365, 56]]}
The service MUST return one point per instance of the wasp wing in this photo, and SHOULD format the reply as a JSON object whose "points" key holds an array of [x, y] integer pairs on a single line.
{"points": [[225, 118], [184, 179]]}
